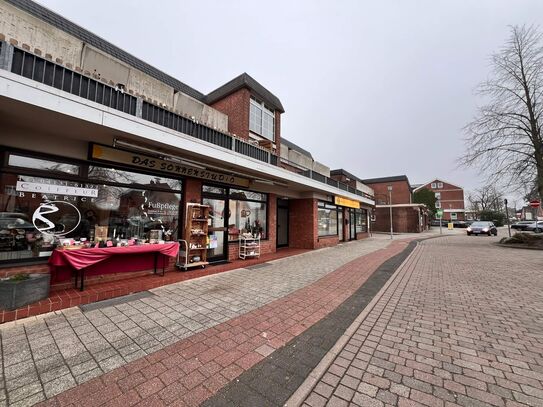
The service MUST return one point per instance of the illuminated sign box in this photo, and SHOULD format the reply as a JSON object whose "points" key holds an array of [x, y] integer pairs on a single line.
{"points": [[349, 203]]}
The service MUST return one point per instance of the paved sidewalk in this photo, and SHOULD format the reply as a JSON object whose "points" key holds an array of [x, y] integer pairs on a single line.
{"points": [[461, 324], [173, 339]]}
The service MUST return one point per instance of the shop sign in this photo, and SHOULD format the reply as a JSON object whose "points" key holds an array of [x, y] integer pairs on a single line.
{"points": [[349, 203], [57, 218], [104, 153], [45, 188]]}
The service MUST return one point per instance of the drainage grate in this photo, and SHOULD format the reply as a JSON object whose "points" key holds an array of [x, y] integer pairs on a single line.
{"points": [[258, 266], [115, 301]]}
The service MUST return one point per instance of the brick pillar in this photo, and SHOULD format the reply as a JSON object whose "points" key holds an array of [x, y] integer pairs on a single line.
{"points": [[303, 223]]}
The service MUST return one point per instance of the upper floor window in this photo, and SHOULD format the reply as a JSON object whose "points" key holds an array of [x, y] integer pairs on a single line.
{"points": [[434, 185], [438, 204], [440, 184], [262, 120], [438, 195]]}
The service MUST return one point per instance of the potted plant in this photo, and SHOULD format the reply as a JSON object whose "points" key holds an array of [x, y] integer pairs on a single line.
{"points": [[23, 289]]}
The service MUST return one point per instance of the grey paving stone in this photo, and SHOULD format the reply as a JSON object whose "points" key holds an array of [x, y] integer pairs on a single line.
{"points": [[58, 385], [140, 327], [24, 392]]}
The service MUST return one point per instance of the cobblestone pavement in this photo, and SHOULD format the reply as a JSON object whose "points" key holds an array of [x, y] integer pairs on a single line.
{"points": [[44, 356], [460, 324]]}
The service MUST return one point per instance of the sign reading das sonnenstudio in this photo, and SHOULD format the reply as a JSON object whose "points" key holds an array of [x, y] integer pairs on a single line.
{"points": [[113, 155]]}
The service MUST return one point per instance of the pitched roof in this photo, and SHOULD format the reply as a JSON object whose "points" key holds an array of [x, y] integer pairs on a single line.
{"points": [[88, 37], [294, 147], [245, 81], [434, 180]]}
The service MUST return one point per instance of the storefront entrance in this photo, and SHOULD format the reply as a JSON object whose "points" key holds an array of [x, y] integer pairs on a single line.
{"points": [[217, 229], [282, 222], [352, 224], [340, 224]]}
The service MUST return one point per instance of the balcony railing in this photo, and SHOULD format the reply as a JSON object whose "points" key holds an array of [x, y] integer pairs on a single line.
{"points": [[309, 173], [47, 72]]}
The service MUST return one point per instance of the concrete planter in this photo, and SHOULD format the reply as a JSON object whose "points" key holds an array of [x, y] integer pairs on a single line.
{"points": [[16, 294]]}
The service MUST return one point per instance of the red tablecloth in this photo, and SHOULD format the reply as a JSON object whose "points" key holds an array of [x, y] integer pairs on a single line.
{"points": [[108, 259]]}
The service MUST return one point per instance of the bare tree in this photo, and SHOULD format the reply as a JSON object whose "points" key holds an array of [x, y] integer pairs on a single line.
{"points": [[504, 140], [487, 198]]}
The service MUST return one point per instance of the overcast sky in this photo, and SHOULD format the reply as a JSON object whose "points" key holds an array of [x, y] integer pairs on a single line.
{"points": [[378, 88]]}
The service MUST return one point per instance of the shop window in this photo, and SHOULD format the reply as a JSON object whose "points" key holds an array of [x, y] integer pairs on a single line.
{"points": [[40, 164], [261, 120], [213, 190], [38, 213], [250, 195], [247, 217], [327, 219], [361, 220], [454, 216], [113, 175]]}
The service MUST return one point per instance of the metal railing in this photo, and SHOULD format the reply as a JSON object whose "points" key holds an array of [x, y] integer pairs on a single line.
{"points": [[47, 72]]}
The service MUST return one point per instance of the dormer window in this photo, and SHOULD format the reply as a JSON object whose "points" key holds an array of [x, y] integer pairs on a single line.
{"points": [[262, 120]]}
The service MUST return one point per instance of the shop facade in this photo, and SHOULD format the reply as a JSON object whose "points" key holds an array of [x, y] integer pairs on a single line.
{"points": [[89, 156], [49, 201]]}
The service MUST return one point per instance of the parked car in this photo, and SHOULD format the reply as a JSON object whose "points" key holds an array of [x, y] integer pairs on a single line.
{"points": [[16, 231], [460, 224], [435, 222], [482, 227], [522, 225], [536, 227]]}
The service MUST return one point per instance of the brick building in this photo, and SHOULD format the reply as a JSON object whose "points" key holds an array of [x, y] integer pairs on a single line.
{"points": [[449, 197], [396, 192], [120, 147]]}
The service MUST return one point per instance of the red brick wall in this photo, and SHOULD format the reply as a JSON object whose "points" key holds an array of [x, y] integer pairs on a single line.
{"points": [[11, 270], [326, 241], [236, 107], [452, 197], [401, 194], [278, 132], [302, 223], [404, 220]]}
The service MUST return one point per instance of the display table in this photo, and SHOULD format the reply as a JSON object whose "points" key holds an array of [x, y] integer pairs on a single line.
{"points": [[63, 263]]}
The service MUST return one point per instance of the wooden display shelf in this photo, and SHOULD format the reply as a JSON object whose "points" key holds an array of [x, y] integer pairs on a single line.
{"points": [[196, 218]]}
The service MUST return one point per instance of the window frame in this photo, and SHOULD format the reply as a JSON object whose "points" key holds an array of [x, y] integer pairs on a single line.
{"points": [[227, 198], [264, 110], [82, 177], [433, 185], [331, 207]]}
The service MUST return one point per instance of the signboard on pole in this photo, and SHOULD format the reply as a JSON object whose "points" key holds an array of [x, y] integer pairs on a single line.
{"points": [[535, 203], [439, 213]]}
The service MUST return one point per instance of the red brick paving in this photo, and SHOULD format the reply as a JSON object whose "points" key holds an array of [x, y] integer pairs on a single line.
{"points": [[459, 325], [190, 371], [66, 298]]}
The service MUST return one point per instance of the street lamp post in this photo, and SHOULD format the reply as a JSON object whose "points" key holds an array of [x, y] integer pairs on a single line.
{"points": [[389, 188], [507, 216]]}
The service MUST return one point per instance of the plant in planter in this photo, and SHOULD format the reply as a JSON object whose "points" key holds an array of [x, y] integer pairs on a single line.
{"points": [[23, 289]]}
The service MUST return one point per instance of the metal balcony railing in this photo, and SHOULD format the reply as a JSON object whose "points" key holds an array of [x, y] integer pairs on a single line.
{"points": [[47, 72]]}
